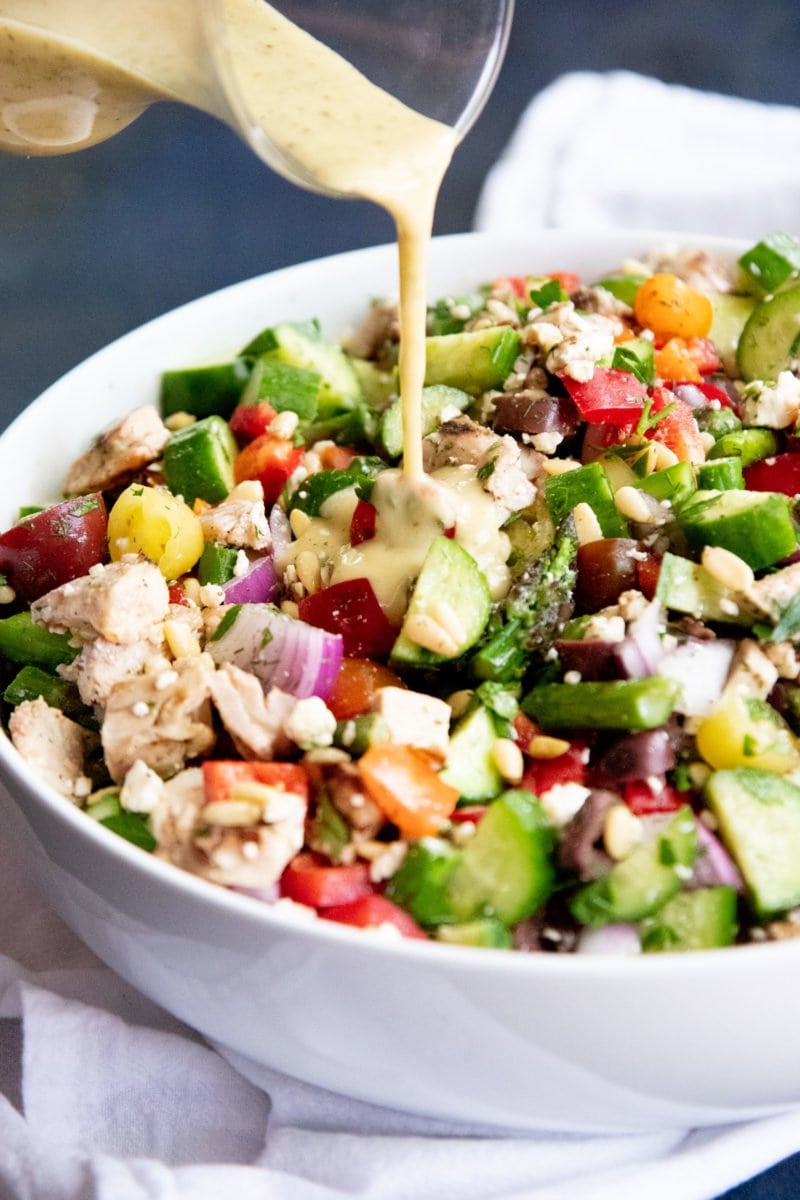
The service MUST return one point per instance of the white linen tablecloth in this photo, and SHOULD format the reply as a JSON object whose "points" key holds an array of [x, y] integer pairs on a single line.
{"points": [[105, 1097]]}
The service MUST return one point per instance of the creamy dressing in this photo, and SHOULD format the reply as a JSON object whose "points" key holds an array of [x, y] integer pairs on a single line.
{"points": [[73, 72], [409, 515]]}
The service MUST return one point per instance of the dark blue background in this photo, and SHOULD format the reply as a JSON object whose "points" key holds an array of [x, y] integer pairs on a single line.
{"points": [[95, 243]]}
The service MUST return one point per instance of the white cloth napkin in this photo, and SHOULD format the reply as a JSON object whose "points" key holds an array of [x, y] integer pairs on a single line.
{"points": [[595, 151], [111, 1098]]}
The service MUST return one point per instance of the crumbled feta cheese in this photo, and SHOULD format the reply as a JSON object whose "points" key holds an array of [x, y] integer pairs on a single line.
{"points": [[562, 801], [775, 405], [310, 723], [141, 789]]}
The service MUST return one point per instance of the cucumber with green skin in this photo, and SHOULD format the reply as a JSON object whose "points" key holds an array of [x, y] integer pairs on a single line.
{"points": [[700, 920], [759, 821], [435, 400], [730, 313], [470, 766], [449, 577], [486, 932], [770, 340], [198, 461], [473, 361], [300, 344], [751, 445], [687, 587], [757, 526], [640, 884]]}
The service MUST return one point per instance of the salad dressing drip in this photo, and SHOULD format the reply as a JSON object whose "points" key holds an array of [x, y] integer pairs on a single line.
{"points": [[73, 73]]}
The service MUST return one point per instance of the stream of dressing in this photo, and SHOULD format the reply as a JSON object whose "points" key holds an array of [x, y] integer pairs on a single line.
{"points": [[74, 72]]}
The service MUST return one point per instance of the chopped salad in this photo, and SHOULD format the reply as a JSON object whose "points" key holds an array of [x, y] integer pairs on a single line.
{"points": [[545, 697]]}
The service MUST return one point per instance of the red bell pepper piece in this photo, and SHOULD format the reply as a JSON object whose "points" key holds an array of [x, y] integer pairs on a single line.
{"points": [[309, 880], [642, 799], [469, 812], [220, 777], [543, 773], [351, 608], [781, 473], [54, 546], [177, 594], [371, 911], [249, 421], [610, 397], [362, 524], [269, 459]]}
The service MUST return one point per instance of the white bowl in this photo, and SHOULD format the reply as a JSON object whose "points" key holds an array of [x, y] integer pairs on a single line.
{"points": [[515, 1040]]}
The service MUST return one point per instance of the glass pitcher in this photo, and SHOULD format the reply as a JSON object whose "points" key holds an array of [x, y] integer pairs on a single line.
{"points": [[75, 72]]}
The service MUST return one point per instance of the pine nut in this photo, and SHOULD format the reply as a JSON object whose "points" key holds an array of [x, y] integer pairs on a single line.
{"points": [[622, 831], [460, 701], [663, 457], [728, 568], [559, 466], [587, 526], [632, 504], [180, 639], [308, 570], [7, 594], [299, 521], [232, 814], [508, 759], [543, 746], [179, 420]]}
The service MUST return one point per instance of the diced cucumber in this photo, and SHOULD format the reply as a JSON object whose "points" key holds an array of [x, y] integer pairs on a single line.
{"points": [[312, 493], [586, 485], [637, 886], [629, 704], [474, 360], [770, 341], [751, 445], [675, 483], [204, 391], [730, 314], [198, 461], [506, 870], [770, 264], [470, 766], [759, 820], [721, 474], [300, 344], [379, 387], [717, 421], [486, 932], [286, 387], [700, 920], [451, 599], [758, 526], [22, 641], [421, 883], [435, 400], [687, 587]]}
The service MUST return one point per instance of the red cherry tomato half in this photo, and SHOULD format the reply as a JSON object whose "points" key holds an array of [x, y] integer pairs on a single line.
{"points": [[351, 609], [54, 546]]}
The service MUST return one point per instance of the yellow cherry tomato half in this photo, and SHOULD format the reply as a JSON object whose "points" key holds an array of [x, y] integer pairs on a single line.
{"points": [[745, 731], [668, 306], [151, 521]]}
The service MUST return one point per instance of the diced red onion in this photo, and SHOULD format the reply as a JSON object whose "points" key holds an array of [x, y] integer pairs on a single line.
{"points": [[281, 532], [641, 652], [714, 865], [259, 585], [617, 940], [701, 668], [283, 652], [690, 394]]}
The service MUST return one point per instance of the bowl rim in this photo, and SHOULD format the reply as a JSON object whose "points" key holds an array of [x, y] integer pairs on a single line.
{"points": [[260, 914]]}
